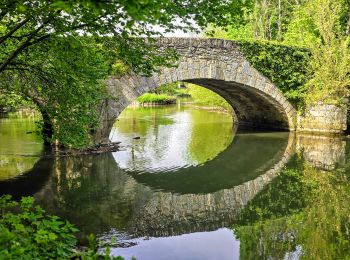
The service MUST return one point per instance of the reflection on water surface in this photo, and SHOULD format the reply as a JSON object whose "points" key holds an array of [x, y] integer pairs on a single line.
{"points": [[268, 187], [170, 138], [20, 147]]}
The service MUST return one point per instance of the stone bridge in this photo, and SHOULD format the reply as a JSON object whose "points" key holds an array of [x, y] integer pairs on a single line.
{"points": [[218, 65]]}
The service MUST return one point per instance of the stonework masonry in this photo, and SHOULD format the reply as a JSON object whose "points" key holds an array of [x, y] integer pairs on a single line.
{"points": [[220, 66], [323, 118]]}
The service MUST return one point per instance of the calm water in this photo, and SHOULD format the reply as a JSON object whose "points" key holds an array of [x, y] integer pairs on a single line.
{"points": [[186, 185]]}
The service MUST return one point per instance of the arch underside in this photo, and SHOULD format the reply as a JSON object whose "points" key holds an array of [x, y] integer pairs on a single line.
{"points": [[252, 107]]}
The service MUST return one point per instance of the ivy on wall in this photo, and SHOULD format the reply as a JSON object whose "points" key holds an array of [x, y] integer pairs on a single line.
{"points": [[286, 66]]}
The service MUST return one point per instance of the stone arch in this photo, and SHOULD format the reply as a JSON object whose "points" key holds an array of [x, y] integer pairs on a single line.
{"points": [[218, 65]]}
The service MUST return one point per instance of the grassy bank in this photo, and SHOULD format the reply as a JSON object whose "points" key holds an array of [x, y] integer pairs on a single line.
{"points": [[205, 98], [153, 98]]}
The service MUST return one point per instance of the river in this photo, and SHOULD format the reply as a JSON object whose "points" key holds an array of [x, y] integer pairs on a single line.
{"points": [[187, 185]]}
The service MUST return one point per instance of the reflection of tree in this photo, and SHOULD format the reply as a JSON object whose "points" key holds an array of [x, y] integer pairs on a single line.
{"points": [[303, 207], [91, 192], [211, 134], [138, 120], [11, 165], [19, 151]]}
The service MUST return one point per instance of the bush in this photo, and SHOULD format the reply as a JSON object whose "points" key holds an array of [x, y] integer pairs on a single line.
{"points": [[26, 232]]}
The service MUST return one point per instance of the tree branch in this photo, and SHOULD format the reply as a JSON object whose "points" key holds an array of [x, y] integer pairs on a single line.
{"points": [[24, 45], [3, 38]]}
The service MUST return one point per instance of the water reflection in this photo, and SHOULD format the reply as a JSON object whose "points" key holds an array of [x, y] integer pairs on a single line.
{"points": [[95, 193], [219, 244], [170, 138], [308, 219], [323, 152], [20, 147], [281, 204]]}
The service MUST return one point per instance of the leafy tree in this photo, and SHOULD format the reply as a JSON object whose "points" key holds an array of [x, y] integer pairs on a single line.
{"points": [[331, 55], [57, 52], [12, 101], [25, 24]]}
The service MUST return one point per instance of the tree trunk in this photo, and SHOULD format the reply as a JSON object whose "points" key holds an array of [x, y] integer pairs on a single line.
{"points": [[47, 131], [279, 24]]}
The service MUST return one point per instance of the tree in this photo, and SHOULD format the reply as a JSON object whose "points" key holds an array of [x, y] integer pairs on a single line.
{"points": [[57, 52], [24, 24], [331, 55]]}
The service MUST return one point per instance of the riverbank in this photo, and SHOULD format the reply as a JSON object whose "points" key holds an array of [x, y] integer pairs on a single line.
{"points": [[153, 99], [91, 150]]}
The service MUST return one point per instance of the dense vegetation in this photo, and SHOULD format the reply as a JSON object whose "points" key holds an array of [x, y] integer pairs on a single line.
{"points": [[58, 52], [161, 99], [287, 67], [321, 26], [28, 232], [198, 95], [54, 52]]}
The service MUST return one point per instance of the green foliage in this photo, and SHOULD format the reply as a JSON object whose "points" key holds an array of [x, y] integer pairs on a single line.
{"points": [[199, 95], [11, 101], [27, 232], [58, 52], [330, 56], [67, 75], [119, 69], [322, 26], [316, 217], [287, 67], [287, 194], [155, 98], [170, 89], [301, 31], [25, 24]]}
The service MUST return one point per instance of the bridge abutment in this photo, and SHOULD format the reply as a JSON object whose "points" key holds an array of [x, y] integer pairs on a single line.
{"points": [[323, 119]]}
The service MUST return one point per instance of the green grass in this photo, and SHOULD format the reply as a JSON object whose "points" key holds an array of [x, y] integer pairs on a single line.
{"points": [[155, 98], [207, 97]]}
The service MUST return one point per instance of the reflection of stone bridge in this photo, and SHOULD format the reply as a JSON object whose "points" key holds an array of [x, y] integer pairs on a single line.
{"points": [[100, 196], [167, 213], [218, 65], [95, 194]]}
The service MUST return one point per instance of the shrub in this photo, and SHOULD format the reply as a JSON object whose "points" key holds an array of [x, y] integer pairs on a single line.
{"points": [[27, 232]]}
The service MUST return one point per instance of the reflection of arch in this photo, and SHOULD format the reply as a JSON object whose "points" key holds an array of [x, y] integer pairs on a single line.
{"points": [[96, 195], [215, 64], [29, 182], [171, 214], [93, 193], [248, 155]]}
